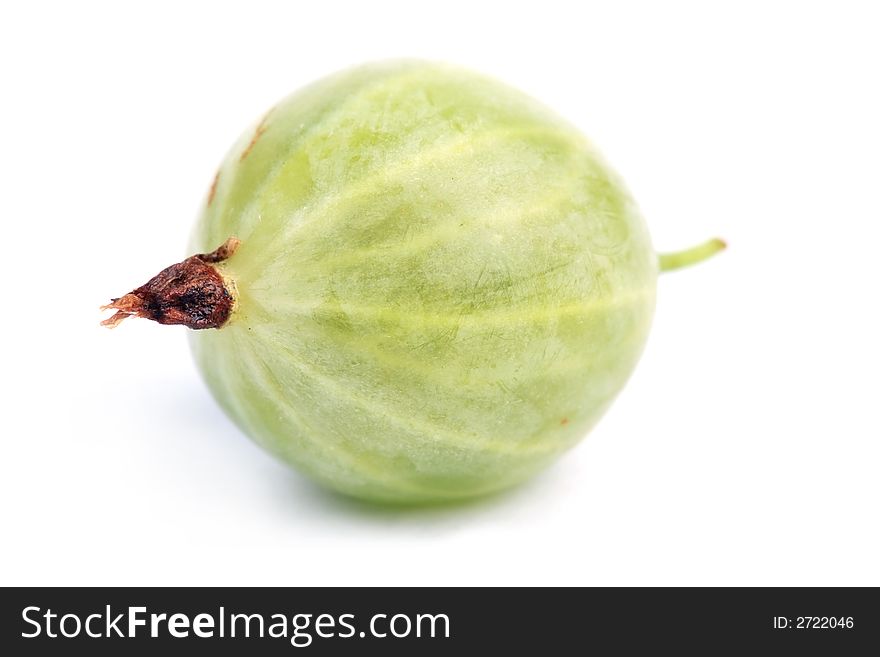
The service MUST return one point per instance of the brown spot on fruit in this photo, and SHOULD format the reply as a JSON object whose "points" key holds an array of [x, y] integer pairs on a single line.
{"points": [[261, 128], [213, 189], [563, 421]]}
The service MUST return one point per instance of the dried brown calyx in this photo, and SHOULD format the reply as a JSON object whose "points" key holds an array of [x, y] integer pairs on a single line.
{"points": [[192, 293]]}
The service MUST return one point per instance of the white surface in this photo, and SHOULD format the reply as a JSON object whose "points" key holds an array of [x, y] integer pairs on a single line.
{"points": [[744, 450]]}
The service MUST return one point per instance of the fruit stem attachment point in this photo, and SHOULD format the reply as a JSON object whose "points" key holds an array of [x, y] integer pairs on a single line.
{"points": [[191, 292], [692, 256]]}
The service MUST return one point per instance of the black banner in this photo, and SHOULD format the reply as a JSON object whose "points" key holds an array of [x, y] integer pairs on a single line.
{"points": [[278, 621]]}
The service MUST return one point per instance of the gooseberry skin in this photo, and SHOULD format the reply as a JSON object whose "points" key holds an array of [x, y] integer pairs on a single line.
{"points": [[440, 285]]}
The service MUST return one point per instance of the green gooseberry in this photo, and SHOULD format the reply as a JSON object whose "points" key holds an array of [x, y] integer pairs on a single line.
{"points": [[429, 286]]}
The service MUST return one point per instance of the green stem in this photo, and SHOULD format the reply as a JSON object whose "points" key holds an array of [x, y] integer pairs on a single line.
{"points": [[688, 257]]}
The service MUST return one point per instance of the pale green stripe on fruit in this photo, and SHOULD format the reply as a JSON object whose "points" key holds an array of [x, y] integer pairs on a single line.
{"points": [[239, 214], [386, 82], [508, 212], [455, 317], [318, 215], [428, 430], [273, 390], [364, 346], [270, 388]]}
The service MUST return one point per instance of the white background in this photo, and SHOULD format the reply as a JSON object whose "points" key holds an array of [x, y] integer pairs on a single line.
{"points": [[743, 451]]}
